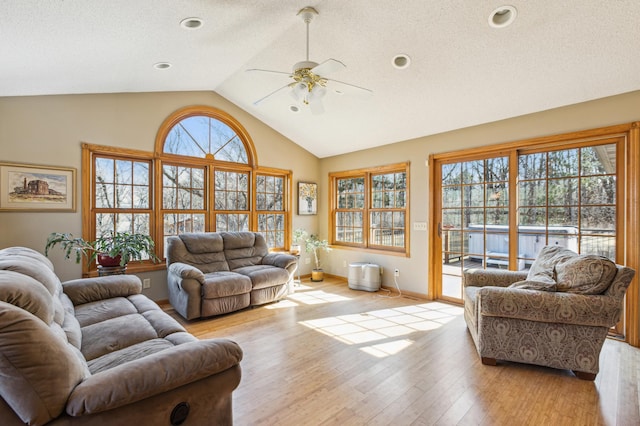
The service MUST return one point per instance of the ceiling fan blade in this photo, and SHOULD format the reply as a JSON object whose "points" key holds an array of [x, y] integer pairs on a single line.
{"points": [[327, 67], [342, 87], [259, 101], [269, 71]]}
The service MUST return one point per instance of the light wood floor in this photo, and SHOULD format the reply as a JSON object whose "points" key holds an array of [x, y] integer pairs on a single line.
{"points": [[333, 356]]}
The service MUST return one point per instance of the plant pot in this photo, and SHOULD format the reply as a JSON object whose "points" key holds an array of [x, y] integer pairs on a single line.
{"points": [[317, 275], [108, 261]]}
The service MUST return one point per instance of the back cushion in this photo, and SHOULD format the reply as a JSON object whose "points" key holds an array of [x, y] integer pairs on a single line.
{"points": [[202, 250], [36, 382], [244, 248], [585, 274]]}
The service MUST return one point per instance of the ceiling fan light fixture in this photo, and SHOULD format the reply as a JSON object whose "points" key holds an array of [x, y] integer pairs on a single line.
{"points": [[316, 93], [502, 16]]}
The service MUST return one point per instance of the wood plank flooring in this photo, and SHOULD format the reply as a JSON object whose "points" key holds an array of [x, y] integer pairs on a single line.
{"points": [[329, 355]]}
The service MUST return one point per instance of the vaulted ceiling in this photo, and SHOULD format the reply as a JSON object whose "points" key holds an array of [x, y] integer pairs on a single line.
{"points": [[462, 72]]}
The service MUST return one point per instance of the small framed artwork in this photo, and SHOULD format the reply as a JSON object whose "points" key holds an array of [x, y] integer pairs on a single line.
{"points": [[28, 187], [307, 198]]}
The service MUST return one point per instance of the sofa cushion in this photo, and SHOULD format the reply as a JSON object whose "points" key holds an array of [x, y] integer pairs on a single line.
{"points": [[585, 274], [223, 284], [204, 251], [534, 285], [244, 248], [263, 276], [129, 353], [35, 382]]}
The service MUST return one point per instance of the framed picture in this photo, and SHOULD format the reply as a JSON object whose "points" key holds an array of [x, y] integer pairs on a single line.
{"points": [[307, 198], [29, 187]]}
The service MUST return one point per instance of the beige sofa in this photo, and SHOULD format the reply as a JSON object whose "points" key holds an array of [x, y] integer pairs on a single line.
{"points": [[557, 315], [216, 273], [97, 352]]}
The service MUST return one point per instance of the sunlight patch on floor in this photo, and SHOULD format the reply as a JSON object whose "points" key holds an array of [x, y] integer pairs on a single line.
{"points": [[282, 304], [385, 332], [316, 297]]}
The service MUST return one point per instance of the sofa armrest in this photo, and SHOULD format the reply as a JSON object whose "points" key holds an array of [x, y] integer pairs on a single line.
{"points": [[152, 375], [281, 260], [491, 277], [184, 271], [549, 307], [85, 290]]}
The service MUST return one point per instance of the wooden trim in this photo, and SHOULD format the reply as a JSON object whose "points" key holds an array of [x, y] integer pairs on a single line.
{"points": [[632, 306], [86, 200], [207, 111], [435, 242], [367, 174], [548, 141]]}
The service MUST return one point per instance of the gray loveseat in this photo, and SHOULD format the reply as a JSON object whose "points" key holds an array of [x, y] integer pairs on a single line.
{"points": [[556, 315], [97, 352], [215, 273]]}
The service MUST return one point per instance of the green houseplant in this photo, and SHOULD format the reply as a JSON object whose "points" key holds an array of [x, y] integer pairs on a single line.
{"points": [[113, 249], [313, 245]]}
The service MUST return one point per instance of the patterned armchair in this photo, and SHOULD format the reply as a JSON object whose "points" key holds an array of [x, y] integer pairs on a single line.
{"points": [[556, 315]]}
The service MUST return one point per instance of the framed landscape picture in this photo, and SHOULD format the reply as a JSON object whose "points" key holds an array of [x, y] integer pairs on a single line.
{"points": [[307, 198], [27, 187]]}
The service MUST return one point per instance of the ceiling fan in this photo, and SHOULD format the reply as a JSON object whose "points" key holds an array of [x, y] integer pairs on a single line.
{"points": [[310, 83]]}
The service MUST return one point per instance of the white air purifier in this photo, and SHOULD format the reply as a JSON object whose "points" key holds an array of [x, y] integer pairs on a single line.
{"points": [[364, 276]]}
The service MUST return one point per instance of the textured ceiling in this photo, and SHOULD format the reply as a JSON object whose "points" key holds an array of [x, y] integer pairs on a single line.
{"points": [[463, 72]]}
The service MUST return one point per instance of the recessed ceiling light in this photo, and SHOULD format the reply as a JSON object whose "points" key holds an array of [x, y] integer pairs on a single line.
{"points": [[401, 61], [162, 65], [502, 16], [191, 23], [294, 108]]}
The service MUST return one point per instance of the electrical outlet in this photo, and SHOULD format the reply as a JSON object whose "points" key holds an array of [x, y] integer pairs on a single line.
{"points": [[146, 283], [396, 273]]}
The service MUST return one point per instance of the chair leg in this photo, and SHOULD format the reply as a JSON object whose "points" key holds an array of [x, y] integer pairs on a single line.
{"points": [[488, 361], [584, 376]]}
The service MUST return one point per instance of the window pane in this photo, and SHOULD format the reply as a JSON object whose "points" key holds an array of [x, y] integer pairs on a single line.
{"points": [[532, 193], [452, 174], [598, 190], [563, 192], [201, 136], [473, 172], [598, 160], [563, 163], [532, 166], [124, 172]]}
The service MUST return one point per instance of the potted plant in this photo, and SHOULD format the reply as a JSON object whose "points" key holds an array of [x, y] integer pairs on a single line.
{"points": [[312, 245], [297, 238], [113, 249]]}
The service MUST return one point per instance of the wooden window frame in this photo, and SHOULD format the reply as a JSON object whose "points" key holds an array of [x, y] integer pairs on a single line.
{"points": [[157, 159], [367, 174]]}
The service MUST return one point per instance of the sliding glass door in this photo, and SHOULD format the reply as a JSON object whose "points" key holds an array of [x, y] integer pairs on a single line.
{"points": [[499, 211]]}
